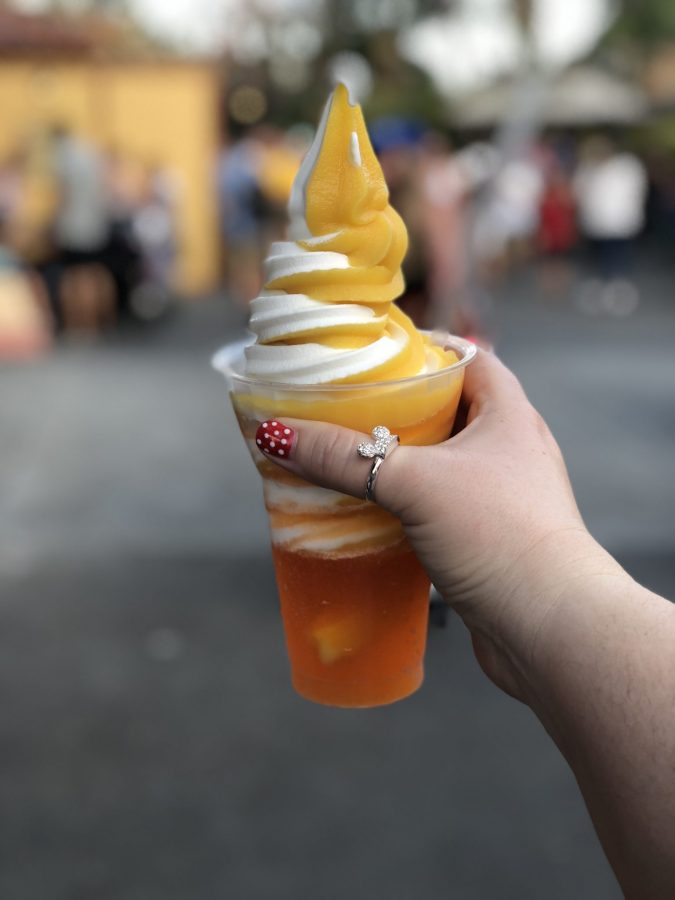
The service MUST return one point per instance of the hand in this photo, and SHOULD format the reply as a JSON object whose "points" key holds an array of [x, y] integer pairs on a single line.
{"points": [[490, 512], [554, 619]]}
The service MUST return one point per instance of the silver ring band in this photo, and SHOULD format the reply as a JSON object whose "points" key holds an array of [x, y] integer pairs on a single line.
{"points": [[384, 442]]}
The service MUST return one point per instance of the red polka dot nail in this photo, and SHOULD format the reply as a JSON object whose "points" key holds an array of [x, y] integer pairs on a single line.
{"points": [[273, 438]]}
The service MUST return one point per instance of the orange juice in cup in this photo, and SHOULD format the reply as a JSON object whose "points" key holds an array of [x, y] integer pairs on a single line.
{"points": [[332, 346]]}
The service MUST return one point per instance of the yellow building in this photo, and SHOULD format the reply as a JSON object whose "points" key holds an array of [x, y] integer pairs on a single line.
{"points": [[160, 113]]}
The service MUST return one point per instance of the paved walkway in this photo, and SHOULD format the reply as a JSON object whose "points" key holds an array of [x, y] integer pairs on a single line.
{"points": [[150, 746]]}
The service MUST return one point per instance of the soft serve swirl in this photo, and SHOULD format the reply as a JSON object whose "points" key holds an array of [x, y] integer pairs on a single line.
{"points": [[326, 313]]}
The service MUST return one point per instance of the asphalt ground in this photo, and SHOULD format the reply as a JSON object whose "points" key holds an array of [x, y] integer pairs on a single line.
{"points": [[150, 743]]}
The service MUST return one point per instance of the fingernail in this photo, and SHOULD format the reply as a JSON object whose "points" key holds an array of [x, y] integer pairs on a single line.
{"points": [[273, 438], [481, 342]]}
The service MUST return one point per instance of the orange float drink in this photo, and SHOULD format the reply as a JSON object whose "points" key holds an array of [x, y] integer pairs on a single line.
{"points": [[362, 619], [354, 598], [331, 346]]}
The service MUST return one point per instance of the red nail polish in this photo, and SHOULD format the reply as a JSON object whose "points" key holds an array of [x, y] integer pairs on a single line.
{"points": [[273, 438]]}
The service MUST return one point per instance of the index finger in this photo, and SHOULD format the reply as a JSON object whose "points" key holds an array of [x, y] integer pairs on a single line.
{"points": [[489, 383]]}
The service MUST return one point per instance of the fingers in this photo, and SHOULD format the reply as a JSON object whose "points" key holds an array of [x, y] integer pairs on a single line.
{"points": [[488, 382], [327, 455]]}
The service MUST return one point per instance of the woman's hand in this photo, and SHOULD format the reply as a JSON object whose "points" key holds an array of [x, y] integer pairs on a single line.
{"points": [[490, 512], [554, 619]]}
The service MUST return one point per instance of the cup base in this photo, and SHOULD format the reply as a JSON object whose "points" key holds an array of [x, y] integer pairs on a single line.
{"points": [[348, 695]]}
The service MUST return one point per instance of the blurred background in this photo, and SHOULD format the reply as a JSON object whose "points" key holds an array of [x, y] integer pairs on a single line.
{"points": [[150, 743]]}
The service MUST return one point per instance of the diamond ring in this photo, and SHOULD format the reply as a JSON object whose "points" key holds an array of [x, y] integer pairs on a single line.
{"points": [[383, 443]]}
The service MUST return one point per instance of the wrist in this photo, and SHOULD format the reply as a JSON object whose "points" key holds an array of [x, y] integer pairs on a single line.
{"points": [[562, 575], [573, 619]]}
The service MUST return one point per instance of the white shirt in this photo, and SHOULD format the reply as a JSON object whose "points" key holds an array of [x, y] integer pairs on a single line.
{"points": [[82, 221], [611, 197]]}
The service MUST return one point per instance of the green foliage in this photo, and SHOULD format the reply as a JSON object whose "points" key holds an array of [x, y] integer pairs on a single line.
{"points": [[659, 136], [357, 16], [400, 90], [643, 23], [399, 87]]}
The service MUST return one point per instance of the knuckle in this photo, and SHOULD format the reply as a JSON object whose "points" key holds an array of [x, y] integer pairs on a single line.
{"points": [[326, 451], [542, 434], [516, 388], [540, 427], [537, 423], [397, 487]]}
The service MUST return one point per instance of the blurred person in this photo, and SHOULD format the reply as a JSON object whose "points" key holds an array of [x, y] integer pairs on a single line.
{"points": [[555, 622], [478, 163], [277, 165], [10, 191], [126, 178], [153, 225], [27, 202], [396, 142], [81, 231], [240, 220], [557, 214], [82, 221], [442, 192], [25, 329], [520, 186], [610, 187], [125, 181], [660, 207], [557, 234], [507, 213]]}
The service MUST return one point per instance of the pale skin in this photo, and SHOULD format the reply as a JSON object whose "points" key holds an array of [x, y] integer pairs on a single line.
{"points": [[555, 621]]}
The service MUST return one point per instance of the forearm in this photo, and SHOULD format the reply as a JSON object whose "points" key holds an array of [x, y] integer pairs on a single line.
{"points": [[602, 681]]}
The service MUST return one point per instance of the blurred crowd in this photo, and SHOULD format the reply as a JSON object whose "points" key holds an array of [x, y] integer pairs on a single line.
{"points": [[86, 238], [578, 204], [254, 175]]}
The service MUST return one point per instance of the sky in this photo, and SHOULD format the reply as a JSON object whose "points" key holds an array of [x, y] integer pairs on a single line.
{"points": [[470, 49], [461, 52]]}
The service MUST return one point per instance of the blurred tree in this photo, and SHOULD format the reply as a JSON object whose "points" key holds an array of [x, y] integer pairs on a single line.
{"points": [[642, 25], [523, 14], [78, 6], [294, 64], [285, 49], [356, 16], [523, 11]]}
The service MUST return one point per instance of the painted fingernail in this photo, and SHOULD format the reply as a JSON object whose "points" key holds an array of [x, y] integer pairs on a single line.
{"points": [[481, 342], [273, 438]]}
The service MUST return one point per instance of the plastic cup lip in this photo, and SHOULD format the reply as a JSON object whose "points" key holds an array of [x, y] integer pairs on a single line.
{"points": [[225, 359]]}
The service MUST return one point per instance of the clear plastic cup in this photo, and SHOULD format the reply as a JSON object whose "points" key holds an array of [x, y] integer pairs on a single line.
{"points": [[354, 598]]}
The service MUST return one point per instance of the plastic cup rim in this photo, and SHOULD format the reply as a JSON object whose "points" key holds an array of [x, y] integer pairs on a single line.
{"points": [[223, 361]]}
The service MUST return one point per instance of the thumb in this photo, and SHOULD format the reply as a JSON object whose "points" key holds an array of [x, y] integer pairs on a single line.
{"points": [[327, 455]]}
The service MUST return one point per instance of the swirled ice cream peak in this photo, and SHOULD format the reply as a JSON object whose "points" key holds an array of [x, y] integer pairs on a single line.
{"points": [[326, 313]]}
